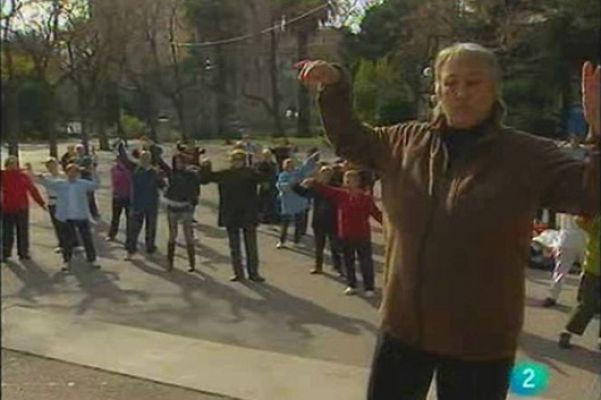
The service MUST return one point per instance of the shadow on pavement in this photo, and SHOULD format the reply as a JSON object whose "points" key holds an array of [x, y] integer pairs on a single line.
{"points": [[548, 352], [274, 304], [210, 231], [99, 285], [35, 280]]}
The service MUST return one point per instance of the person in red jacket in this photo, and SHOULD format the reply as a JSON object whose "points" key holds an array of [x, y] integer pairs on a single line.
{"points": [[15, 187], [354, 206]]}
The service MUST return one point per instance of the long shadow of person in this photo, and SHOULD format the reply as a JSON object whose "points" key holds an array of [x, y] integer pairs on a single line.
{"points": [[548, 352], [36, 281], [299, 313], [100, 285]]}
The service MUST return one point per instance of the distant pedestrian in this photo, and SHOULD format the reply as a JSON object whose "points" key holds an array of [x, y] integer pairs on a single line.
{"points": [[292, 205], [121, 183], [238, 211], [589, 291], [325, 220], [180, 197], [144, 204], [16, 186], [268, 192], [354, 207], [73, 212]]}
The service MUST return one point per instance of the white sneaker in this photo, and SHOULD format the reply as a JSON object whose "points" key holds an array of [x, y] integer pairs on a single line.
{"points": [[369, 294], [128, 257], [349, 291], [58, 250], [280, 245], [66, 267]]}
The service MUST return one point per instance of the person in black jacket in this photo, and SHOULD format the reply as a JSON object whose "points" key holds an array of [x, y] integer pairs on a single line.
{"points": [[268, 192], [324, 222], [180, 197], [238, 211]]}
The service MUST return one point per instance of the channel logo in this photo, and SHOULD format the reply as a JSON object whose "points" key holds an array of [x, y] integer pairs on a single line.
{"points": [[529, 379]]}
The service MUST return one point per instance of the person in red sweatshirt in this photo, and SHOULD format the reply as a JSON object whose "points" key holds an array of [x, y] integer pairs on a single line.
{"points": [[15, 186], [354, 206]]}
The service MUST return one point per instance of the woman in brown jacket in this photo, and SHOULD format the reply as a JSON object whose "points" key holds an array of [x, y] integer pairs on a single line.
{"points": [[459, 195]]}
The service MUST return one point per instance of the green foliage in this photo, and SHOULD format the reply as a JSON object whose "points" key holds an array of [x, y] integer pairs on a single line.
{"points": [[132, 126]]}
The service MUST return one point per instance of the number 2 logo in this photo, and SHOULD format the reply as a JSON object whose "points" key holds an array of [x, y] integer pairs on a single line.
{"points": [[529, 379]]}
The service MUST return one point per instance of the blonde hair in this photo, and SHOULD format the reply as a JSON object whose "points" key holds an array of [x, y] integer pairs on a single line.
{"points": [[481, 54]]}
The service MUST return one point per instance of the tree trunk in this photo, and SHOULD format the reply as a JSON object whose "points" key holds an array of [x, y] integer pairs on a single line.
{"points": [[304, 102], [181, 116], [221, 112], [275, 92], [11, 99], [83, 115]]}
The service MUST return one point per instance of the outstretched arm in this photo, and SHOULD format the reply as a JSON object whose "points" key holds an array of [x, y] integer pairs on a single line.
{"points": [[124, 158], [353, 140]]}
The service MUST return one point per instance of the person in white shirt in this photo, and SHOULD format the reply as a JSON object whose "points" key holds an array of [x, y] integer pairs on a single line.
{"points": [[568, 249]]}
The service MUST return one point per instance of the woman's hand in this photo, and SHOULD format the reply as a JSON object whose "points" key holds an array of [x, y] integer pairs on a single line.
{"points": [[317, 73], [590, 98]]}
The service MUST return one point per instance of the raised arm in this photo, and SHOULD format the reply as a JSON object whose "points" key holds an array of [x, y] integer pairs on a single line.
{"points": [[329, 192], [35, 193], [309, 165], [573, 186], [375, 212], [353, 140], [124, 158], [303, 191]]}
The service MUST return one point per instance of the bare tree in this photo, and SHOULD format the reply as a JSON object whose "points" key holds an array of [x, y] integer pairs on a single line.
{"points": [[10, 91]]}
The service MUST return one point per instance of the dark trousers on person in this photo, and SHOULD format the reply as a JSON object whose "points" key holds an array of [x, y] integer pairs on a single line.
{"points": [[15, 224], [93, 205], [298, 226], [69, 230], [136, 220], [321, 236], [250, 246], [56, 224], [400, 372], [119, 205], [589, 292], [268, 206], [304, 223], [361, 249]]}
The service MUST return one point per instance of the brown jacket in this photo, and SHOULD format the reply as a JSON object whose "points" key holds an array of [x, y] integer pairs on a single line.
{"points": [[458, 237]]}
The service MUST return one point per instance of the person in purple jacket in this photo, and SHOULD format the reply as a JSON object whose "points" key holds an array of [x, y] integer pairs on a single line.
{"points": [[121, 183]]}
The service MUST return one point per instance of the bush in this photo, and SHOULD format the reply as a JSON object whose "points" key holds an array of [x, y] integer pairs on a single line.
{"points": [[132, 126]]}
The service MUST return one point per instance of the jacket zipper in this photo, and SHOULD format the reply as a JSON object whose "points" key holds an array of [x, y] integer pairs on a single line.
{"points": [[427, 230]]}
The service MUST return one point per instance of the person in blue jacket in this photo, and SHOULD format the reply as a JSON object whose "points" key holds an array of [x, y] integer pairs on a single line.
{"points": [[146, 183], [293, 206], [73, 212]]}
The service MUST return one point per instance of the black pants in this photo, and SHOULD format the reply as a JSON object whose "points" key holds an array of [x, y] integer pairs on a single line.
{"points": [[362, 249], [321, 236], [250, 246], [136, 220], [298, 226], [305, 223], [589, 292], [268, 206], [400, 372], [119, 205], [16, 223], [93, 205], [69, 230]]}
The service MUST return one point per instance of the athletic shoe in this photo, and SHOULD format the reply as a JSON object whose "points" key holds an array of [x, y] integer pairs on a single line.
{"points": [[349, 291], [257, 278], [58, 250], [564, 340], [280, 245]]}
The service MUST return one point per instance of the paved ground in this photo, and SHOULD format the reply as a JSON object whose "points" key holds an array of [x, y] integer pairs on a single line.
{"points": [[294, 313], [58, 380]]}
